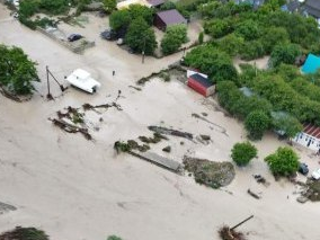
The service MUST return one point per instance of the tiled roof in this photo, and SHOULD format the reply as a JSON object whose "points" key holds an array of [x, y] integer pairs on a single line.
{"points": [[311, 130]]}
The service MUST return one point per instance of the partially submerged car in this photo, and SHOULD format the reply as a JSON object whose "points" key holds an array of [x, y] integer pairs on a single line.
{"points": [[303, 169], [83, 80], [74, 37], [316, 174], [109, 34]]}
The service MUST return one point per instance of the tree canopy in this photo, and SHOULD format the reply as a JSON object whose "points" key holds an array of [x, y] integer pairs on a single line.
{"points": [[17, 72], [243, 153], [284, 162], [212, 61], [140, 37], [256, 123], [109, 5], [174, 37]]}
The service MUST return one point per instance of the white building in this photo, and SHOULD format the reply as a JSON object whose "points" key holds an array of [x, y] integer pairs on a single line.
{"points": [[309, 137]]}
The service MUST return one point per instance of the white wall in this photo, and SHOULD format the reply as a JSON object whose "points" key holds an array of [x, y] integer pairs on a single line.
{"points": [[304, 139]]}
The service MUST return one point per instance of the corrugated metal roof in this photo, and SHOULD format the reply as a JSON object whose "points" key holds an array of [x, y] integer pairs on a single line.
{"points": [[203, 81], [312, 64], [170, 17], [311, 130]]}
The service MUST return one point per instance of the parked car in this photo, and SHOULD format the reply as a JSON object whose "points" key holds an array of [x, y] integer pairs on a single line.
{"points": [[74, 37], [303, 169], [109, 34], [316, 174]]}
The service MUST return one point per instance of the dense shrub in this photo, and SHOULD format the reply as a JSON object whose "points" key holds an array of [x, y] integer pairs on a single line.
{"points": [[284, 162], [243, 153]]}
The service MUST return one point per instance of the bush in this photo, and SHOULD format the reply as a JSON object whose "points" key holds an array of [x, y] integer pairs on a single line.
{"points": [[17, 72], [284, 162], [174, 37], [114, 237], [22, 233], [243, 153], [256, 123], [200, 38]]}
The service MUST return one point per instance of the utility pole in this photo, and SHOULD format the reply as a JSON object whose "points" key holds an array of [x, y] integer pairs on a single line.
{"points": [[48, 74], [49, 96], [237, 225], [144, 47]]}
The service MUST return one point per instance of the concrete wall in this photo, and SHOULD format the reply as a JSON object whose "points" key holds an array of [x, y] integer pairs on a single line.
{"points": [[76, 49]]}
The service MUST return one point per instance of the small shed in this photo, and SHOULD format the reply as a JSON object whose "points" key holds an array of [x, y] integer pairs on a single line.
{"points": [[167, 18], [201, 85], [311, 65]]}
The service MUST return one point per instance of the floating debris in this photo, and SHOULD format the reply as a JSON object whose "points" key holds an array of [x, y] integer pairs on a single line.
{"points": [[167, 149], [209, 173], [173, 132]]}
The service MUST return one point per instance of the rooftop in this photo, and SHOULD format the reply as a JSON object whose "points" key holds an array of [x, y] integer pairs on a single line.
{"points": [[170, 17], [311, 65]]}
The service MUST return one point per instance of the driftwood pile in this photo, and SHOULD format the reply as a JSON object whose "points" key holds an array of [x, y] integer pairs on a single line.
{"points": [[173, 132], [73, 119], [227, 234], [12, 96]]}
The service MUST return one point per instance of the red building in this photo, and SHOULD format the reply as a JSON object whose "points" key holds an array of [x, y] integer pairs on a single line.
{"points": [[168, 18], [201, 85]]}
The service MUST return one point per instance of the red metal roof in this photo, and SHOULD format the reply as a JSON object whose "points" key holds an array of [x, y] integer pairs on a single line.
{"points": [[311, 130]]}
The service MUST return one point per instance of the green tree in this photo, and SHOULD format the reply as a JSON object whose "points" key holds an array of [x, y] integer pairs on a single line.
{"points": [[174, 37], [17, 72], [201, 37], [249, 30], [120, 19], [286, 124], [252, 50], [28, 8], [167, 6], [218, 28], [109, 5], [284, 162], [54, 7], [210, 60], [256, 123], [137, 11], [274, 36], [140, 37], [114, 237], [285, 53], [243, 153], [231, 44]]}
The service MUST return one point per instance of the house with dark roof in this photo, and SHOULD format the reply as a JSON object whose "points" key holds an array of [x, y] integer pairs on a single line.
{"points": [[313, 8], [167, 18], [309, 137]]}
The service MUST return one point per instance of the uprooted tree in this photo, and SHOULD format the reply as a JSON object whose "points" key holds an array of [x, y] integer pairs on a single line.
{"points": [[17, 72]]}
